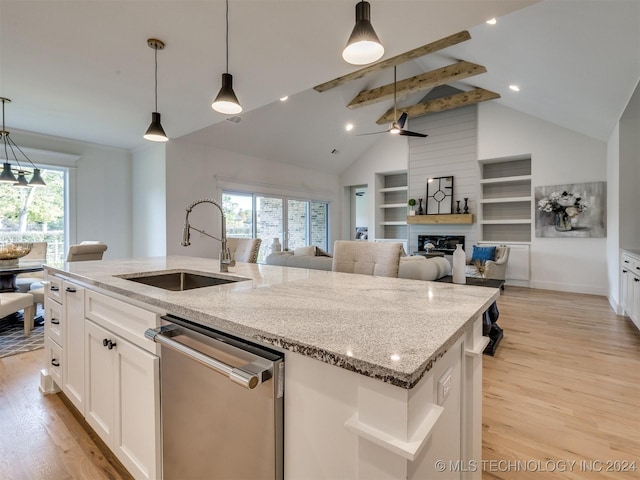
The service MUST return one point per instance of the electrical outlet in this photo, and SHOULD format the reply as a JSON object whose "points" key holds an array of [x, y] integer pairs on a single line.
{"points": [[444, 385]]}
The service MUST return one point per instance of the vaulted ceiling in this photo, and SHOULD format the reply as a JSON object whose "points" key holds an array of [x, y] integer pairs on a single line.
{"points": [[83, 70]]}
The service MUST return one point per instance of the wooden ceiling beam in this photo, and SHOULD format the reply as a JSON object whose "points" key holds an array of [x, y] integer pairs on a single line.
{"points": [[442, 104], [424, 81], [397, 60]]}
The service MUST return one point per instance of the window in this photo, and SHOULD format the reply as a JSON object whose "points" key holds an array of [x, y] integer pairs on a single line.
{"points": [[295, 222], [36, 214]]}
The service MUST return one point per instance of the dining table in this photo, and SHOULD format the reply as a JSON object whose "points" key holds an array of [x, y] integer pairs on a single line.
{"points": [[9, 273]]}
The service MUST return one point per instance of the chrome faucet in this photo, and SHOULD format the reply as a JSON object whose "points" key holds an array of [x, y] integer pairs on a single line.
{"points": [[225, 255]]}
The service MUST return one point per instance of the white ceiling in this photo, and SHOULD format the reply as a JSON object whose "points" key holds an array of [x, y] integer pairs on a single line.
{"points": [[83, 70]]}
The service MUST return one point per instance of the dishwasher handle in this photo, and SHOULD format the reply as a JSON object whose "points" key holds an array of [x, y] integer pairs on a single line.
{"points": [[244, 378]]}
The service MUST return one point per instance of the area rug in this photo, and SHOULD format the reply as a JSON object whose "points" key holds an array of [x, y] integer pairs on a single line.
{"points": [[13, 341]]}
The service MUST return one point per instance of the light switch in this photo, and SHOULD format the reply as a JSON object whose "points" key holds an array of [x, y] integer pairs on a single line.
{"points": [[444, 385]]}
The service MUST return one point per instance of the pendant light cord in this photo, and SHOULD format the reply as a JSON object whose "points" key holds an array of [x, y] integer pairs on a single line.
{"points": [[395, 114], [156, 75], [227, 33]]}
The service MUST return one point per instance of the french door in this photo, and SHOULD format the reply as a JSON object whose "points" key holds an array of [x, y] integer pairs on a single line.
{"points": [[294, 222]]}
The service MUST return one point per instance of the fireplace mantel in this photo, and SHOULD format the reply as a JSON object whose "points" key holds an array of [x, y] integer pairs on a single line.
{"points": [[440, 219]]}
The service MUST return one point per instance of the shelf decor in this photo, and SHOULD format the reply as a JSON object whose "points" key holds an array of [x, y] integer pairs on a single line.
{"points": [[571, 211], [440, 196]]}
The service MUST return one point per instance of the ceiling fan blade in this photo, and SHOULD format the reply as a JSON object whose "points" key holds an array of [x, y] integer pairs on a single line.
{"points": [[402, 119], [407, 133], [372, 133]]}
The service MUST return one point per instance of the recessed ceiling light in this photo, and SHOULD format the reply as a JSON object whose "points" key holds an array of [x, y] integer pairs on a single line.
{"points": [[395, 357], [492, 21], [348, 127], [515, 88], [284, 99]]}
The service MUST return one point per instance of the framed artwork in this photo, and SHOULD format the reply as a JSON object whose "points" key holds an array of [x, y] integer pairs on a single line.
{"points": [[571, 210], [440, 196]]}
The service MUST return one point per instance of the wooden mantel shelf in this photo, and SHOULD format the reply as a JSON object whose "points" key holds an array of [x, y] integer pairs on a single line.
{"points": [[440, 219]]}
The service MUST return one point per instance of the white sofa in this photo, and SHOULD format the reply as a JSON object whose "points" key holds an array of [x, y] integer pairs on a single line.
{"points": [[416, 268]]}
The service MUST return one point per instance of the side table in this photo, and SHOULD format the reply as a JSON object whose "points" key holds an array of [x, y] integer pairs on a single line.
{"points": [[491, 328]]}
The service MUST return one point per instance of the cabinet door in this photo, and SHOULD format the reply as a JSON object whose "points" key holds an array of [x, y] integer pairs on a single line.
{"points": [[100, 372], [626, 290], [137, 413], [73, 344], [634, 309]]}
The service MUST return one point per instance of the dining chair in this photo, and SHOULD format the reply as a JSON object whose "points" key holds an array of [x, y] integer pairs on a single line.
{"points": [[12, 302], [367, 258], [88, 250], [38, 253], [244, 249]]}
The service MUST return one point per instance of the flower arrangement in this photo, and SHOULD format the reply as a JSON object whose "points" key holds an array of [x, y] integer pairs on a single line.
{"points": [[565, 206]]}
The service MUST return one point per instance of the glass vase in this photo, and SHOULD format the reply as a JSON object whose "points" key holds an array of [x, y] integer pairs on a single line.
{"points": [[562, 222]]}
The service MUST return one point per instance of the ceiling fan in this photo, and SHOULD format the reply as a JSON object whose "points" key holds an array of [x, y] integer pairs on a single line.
{"points": [[397, 126]]}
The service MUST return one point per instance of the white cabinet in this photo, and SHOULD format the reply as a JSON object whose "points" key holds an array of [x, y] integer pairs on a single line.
{"points": [[96, 352], [630, 286], [122, 376], [51, 375], [122, 402], [73, 344]]}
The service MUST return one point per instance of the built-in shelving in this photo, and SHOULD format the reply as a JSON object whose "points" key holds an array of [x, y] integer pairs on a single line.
{"points": [[505, 213], [391, 206]]}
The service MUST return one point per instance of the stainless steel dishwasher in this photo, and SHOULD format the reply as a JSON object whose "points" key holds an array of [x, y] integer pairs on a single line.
{"points": [[222, 404]]}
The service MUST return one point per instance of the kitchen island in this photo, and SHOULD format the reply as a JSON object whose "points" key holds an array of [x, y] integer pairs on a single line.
{"points": [[382, 377]]}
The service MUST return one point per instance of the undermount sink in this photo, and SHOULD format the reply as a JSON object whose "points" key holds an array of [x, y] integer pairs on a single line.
{"points": [[180, 281]]}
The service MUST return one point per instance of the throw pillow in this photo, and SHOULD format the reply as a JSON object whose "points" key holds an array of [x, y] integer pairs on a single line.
{"points": [[309, 251], [322, 253], [482, 254]]}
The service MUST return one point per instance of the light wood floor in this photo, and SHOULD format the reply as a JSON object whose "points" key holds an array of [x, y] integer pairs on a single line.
{"points": [[40, 438], [564, 385]]}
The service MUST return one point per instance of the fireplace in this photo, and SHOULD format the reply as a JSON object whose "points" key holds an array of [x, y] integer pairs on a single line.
{"points": [[442, 243]]}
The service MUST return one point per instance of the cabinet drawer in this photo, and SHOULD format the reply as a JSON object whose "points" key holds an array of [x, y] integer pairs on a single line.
{"points": [[631, 263], [128, 321], [54, 288], [53, 321], [53, 360]]}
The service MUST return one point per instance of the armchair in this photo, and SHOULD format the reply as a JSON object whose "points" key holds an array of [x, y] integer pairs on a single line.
{"points": [[494, 269]]}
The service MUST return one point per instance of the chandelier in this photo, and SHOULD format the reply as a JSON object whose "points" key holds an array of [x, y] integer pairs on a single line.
{"points": [[9, 148]]}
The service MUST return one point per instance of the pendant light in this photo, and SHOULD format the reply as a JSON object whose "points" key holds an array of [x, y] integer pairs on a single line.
{"points": [[226, 100], [8, 148], [364, 45], [155, 132]]}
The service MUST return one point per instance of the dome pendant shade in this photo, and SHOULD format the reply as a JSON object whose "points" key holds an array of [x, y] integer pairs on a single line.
{"points": [[155, 132], [7, 175], [364, 45], [226, 100]]}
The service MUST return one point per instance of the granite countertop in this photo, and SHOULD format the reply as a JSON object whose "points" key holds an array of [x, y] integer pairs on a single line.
{"points": [[387, 328]]}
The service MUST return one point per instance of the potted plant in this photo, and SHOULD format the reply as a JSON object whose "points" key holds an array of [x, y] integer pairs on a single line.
{"points": [[411, 203]]}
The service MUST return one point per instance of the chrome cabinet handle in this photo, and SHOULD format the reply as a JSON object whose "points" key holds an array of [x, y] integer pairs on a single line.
{"points": [[237, 375]]}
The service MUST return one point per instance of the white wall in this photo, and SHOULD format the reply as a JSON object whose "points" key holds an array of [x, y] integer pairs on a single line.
{"points": [[148, 194], [613, 219], [389, 154], [103, 190], [558, 156], [195, 172]]}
